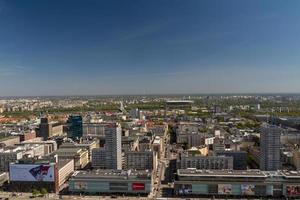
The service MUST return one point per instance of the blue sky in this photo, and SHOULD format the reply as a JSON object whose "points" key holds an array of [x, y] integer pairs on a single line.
{"points": [[64, 47]]}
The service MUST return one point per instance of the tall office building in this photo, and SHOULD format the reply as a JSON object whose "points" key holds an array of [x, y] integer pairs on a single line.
{"points": [[270, 147], [75, 129], [113, 146]]}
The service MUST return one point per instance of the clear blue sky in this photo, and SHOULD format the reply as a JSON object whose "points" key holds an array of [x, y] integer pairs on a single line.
{"points": [[57, 47]]}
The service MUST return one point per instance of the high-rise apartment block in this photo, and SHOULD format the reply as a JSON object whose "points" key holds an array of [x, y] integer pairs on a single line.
{"points": [[109, 157], [270, 147], [113, 146]]}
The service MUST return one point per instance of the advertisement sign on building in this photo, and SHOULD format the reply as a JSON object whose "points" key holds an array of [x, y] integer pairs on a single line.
{"points": [[247, 189], [34, 172], [292, 190], [224, 189], [138, 186]]}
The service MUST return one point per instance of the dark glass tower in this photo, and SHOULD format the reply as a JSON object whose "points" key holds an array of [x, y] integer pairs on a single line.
{"points": [[75, 127]]}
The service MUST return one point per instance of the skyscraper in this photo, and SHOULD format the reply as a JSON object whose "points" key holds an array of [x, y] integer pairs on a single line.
{"points": [[75, 127], [113, 146], [270, 147]]}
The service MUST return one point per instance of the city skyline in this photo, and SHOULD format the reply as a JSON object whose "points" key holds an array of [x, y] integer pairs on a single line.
{"points": [[148, 47]]}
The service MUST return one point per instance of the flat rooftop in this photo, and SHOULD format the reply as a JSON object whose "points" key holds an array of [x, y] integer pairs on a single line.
{"points": [[112, 174], [291, 174], [238, 173], [223, 173]]}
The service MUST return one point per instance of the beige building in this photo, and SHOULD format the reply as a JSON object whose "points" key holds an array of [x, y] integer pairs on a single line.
{"points": [[80, 156], [49, 145], [86, 144], [65, 170], [9, 141], [204, 162]]}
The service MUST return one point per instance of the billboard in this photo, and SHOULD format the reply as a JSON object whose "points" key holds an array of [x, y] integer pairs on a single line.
{"points": [[247, 189], [224, 189], [138, 186], [32, 172], [293, 190]]}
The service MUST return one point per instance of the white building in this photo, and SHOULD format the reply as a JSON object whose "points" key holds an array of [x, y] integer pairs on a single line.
{"points": [[113, 146]]}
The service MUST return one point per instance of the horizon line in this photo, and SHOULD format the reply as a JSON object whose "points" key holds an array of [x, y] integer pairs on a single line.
{"points": [[157, 94]]}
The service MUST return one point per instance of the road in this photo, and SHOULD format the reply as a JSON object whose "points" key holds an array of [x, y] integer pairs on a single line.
{"points": [[162, 165]]}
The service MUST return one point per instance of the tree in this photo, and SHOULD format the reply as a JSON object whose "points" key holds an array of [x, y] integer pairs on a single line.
{"points": [[35, 192], [44, 191]]}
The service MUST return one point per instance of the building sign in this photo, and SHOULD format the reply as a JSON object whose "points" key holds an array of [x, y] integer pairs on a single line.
{"points": [[293, 190], [138, 186], [33, 172], [224, 189], [247, 189]]}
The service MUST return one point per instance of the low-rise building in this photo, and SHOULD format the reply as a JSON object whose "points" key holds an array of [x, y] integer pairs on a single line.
{"points": [[80, 156], [9, 155], [49, 173], [111, 182], [49, 145], [239, 158], [9, 141], [27, 136], [186, 160], [139, 160], [237, 183]]}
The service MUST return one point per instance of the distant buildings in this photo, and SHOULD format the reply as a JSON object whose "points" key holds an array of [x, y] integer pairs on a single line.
{"points": [[179, 104], [47, 129], [94, 129], [9, 141], [27, 136], [270, 148]]}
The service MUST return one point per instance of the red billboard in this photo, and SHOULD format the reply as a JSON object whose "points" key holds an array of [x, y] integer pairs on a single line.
{"points": [[138, 186], [293, 190]]}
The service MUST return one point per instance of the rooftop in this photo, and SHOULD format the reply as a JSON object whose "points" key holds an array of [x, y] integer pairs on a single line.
{"points": [[238, 173], [224, 173], [112, 174]]}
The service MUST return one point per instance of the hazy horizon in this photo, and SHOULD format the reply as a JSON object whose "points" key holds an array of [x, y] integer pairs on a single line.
{"points": [[82, 48]]}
